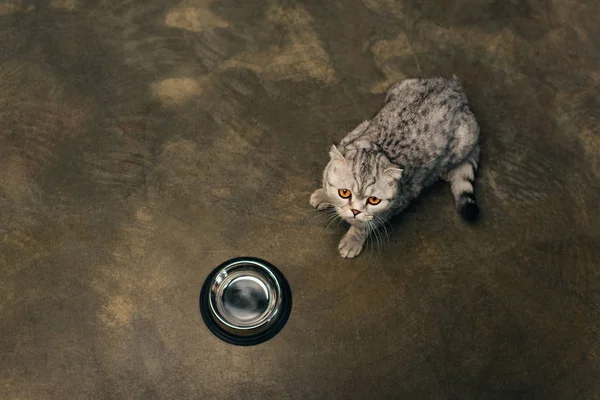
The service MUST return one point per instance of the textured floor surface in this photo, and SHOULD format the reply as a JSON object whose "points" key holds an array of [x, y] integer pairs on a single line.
{"points": [[143, 142]]}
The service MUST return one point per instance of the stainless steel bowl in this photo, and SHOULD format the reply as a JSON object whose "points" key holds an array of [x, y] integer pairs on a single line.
{"points": [[245, 301]]}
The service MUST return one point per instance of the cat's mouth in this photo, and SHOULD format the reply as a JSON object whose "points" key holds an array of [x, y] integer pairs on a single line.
{"points": [[356, 220], [353, 220]]}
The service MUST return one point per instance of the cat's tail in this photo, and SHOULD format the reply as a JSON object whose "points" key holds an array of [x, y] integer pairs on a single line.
{"points": [[461, 180]]}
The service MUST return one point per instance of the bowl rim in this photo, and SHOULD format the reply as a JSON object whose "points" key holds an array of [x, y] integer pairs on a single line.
{"points": [[246, 340], [235, 270]]}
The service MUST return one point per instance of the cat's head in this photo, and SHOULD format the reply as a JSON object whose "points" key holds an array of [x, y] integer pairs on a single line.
{"points": [[361, 184]]}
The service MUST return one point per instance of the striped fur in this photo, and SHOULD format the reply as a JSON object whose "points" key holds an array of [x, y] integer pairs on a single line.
{"points": [[425, 131], [461, 181]]}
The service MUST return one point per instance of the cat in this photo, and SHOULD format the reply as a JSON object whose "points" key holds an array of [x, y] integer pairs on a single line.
{"points": [[424, 131]]}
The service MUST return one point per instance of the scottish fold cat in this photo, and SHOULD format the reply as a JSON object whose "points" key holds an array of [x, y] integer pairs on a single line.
{"points": [[424, 131]]}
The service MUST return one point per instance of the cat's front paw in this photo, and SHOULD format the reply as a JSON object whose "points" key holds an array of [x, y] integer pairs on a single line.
{"points": [[319, 200], [351, 244]]}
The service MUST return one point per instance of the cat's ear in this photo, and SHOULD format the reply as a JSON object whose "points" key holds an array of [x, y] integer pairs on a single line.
{"points": [[335, 154], [394, 172]]}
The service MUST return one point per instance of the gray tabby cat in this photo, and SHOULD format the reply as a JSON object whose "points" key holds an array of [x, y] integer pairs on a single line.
{"points": [[424, 132]]}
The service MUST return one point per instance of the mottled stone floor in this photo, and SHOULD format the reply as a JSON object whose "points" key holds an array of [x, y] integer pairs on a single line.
{"points": [[142, 142]]}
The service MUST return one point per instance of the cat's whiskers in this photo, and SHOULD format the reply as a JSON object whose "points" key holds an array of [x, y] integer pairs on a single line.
{"points": [[319, 213], [369, 243], [372, 229], [330, 218], [382, 242], [377, 226], [383, 223], [327, 218], [377, 235]]}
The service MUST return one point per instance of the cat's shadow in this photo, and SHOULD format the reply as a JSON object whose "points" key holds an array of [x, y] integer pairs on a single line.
{"points": [[430, 207], [422, 208]]}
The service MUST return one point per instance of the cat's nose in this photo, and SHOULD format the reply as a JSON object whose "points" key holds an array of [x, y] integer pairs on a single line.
{"points": [[355, 212]]}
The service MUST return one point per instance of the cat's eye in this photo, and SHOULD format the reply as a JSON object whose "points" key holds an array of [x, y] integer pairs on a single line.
{"points": [[344, 193], [374, 200]]}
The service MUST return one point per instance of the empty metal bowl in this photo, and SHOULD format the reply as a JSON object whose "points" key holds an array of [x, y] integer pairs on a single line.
{"points": [[245, 301]]}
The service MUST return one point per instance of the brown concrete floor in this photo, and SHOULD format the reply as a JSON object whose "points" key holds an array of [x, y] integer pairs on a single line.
{"points": [[144, 142]]}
